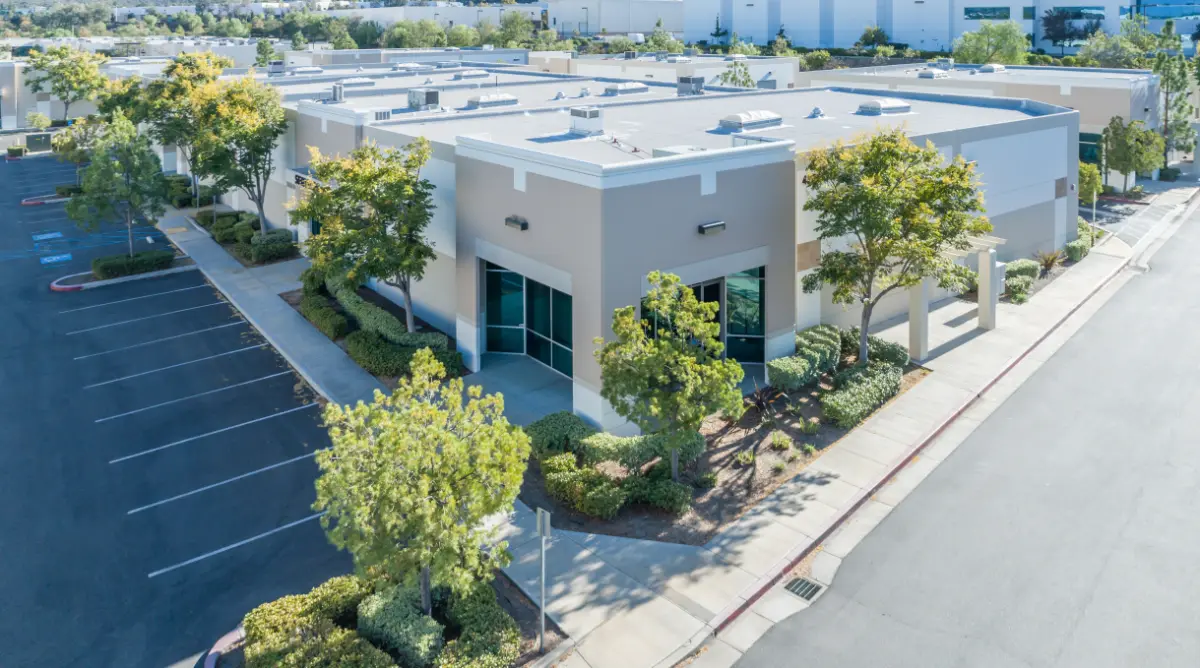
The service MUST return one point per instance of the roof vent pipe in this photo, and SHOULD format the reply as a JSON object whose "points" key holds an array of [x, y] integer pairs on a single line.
{"points": [[339, 92]]}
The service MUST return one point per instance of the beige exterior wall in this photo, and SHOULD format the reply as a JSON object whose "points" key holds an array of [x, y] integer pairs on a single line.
{"points": [[328, 136]]}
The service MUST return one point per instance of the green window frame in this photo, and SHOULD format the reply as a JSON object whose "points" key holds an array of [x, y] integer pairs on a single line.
{"points": [[524, 316], [1027, 13], [986, 13]]}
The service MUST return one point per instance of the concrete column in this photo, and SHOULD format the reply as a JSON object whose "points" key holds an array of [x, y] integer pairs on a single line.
{"points": [[989, 288], [918, 320]]}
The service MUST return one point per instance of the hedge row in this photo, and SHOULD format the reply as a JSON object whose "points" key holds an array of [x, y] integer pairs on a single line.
{"points": [[634, 452], [67, 190], [584, 489], [16, 151], [878, 350], [817, 351], [1078, 249], [1023, 267], [557, 433], [375, 319], [288, 625], [862, 392], [322, 315], [490, 637], [383, 358], [392, 620], [114, 266]]}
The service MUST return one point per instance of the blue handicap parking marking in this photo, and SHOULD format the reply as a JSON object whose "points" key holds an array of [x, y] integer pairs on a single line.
{"points": [[42, 236], [55, 259]]}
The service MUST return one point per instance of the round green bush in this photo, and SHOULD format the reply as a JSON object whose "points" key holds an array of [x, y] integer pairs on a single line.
{"points": [[392, 620], [490, 638], [558, 432]]}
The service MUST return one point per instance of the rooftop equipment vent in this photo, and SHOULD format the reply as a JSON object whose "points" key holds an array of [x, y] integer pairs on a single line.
{"points": [[631, 55], [276, 67], [308, 69], [626, 88], [560, 95], [357, 82], [991, 68], [678, 59], [491, 100], [690, 85], [585, 92], [736, 56], [383, 114], [884, 106], [447, 64], [943, 63], [817, 112], [933, 74], [339, 93], [405, 66], [422, 99], [428, 80], [586, 121], [471, 74], [751, 120]]}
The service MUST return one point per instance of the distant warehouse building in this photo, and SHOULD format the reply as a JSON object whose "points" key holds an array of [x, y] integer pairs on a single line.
{"points": [[556, 195]]}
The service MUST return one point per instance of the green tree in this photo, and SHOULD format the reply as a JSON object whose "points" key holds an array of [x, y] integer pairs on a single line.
{"points": [[781, 47], [264, 53], [240, 122], [1111, 51], [718, 32], [736, 45], [816, 60], [661, 40], [873, 36], [902, 207], [515, 28], [1131, 148], [487, 31], [1003, 42], [67, 74], [1090, 186], [462, 35], [1058, 28], [174, 105], [411, 477], [74, 144], [666, 373], [1175, 83], [737, 74], [374, 208], [37, 120], [298, 41], [124, 181], [343, 41], [621, 44], [126, 95]]}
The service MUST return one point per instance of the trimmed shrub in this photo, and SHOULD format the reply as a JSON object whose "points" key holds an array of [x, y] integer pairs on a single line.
{"points": [[818, 350], [243, 232], [114, 266], [664, 493], [790, 373], [269, 252], [67, 190], [182, 201], [392, 620], [223, 232], [878, 350], [1078, 249], [431, 340], [321, 314], [275, 629], [384, 358], [564, 463], [252, 219], [633, 452], [601, 496], [337, 647], [1168, 174], [369, 316], [558, 432], [1018, 288], [206, 218], [490, 637], [862, 394], [1022, 267], [313, 280], [16, 151]]}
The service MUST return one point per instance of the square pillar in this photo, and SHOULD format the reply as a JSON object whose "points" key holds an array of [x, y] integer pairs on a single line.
{"points": [[918, 320], [989, 288]]}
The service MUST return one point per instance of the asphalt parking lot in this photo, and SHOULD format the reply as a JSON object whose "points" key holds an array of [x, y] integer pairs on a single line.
{"points": [[156, 457]]}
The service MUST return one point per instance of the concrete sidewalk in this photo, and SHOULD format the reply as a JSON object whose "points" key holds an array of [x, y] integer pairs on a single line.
{"points": [[631, 603]]}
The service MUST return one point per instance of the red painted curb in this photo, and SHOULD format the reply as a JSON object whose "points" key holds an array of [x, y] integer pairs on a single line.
{"points": [[1122, 200], [25, 203], [753, 598], [55, 286]]}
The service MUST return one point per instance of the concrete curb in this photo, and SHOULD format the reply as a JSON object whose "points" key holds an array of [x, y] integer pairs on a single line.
{"points": [[51, 199], [768, 581], [553, 656], [222, 645], [57, 287]]}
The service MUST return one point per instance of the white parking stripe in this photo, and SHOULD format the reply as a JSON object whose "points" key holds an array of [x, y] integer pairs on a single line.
{"points": [[122, 301], [174, 366], [189, 439], [157, 315], [238, 544], [165, 338], [205, 488], [194, 396]]}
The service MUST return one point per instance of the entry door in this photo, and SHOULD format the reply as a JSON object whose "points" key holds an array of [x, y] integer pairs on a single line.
{"points": [[713, 291]]}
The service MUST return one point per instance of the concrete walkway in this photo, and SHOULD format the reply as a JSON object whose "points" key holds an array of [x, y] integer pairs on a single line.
{"points": [[633, 603]]}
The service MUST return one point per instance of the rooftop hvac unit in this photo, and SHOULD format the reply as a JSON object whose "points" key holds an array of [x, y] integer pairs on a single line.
{"points": [[308, 69], [944, 63], [471, 74], [678, 59], [339, 93], [690, 85], [631, 55], [492, 100], [884, 106], [933, 74], [421, 99], [445, 64], [357, 82], [276, 67], [398, 67], [751, 120], [383, 114], [586, 121], [691, 52], [625, 88], [736, 56], [991, 68]]}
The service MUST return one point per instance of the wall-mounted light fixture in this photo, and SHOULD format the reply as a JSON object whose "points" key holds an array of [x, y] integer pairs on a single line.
{"points": [[709, 229], [517, 223]]}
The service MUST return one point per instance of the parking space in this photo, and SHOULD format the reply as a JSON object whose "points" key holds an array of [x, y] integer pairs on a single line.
{"points": [[158, 454]]}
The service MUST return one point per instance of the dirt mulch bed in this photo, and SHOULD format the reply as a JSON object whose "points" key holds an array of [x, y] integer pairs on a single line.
{"points": [[517, 604], [739, 487]]}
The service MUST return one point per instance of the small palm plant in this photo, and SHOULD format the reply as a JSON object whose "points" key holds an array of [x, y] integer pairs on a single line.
{"points": [[1049, 260]]}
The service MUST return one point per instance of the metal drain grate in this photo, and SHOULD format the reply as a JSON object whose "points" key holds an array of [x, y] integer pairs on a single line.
{"points": [[804, 588]]}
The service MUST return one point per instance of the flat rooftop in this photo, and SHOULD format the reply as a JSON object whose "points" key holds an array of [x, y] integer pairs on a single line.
{"points": [[1019, 74], [694, 122], [377, 83], [532, 91]]}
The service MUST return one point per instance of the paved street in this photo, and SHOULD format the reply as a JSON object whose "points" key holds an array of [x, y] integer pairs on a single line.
{"points": [[1063, 532], [156, 464]]}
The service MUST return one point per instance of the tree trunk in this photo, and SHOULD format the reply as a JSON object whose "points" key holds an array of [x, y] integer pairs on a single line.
{"points": [[426, 592], [862, 333], [129, 227], [1166, 128], [66, 110], [262, 216], [406, 290], [675, 464]]}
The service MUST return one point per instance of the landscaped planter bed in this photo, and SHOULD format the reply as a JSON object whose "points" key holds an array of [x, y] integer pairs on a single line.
{"points": [[239, 233]]}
